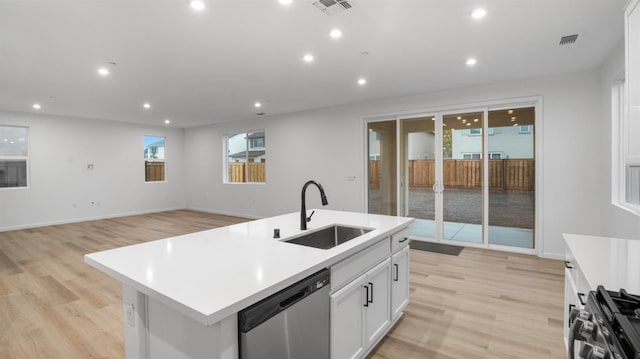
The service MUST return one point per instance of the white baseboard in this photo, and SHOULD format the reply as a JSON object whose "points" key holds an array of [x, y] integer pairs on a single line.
{"points": [[86, 219], [548, 255], [224, 213]]}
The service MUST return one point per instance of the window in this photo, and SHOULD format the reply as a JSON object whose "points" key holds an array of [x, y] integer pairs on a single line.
{"points": [[471, 156], [478, 131], [495, 155], [154, 156], [14, 155], [246, 157], [625, 189], [526, 129]]}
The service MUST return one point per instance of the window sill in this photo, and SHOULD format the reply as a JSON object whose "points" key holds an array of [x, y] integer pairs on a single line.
{"points": [[241, 183], [628, 207]]}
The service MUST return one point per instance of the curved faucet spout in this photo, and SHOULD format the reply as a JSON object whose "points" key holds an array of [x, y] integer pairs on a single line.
{"points": [[303, 207]]}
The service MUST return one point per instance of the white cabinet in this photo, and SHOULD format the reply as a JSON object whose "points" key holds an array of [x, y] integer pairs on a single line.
{"points": [[399, 282], [360, 313], [347, 316], [377, 312]]}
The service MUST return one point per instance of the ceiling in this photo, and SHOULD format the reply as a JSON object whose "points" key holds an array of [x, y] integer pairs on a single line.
{"points": [[197, 68]]}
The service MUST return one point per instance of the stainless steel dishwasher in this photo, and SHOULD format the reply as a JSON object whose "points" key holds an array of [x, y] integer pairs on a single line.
{"points": [[291, 324]]}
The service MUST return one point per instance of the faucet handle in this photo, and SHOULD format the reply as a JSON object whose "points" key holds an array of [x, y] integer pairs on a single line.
{"points": [[311, 215]]}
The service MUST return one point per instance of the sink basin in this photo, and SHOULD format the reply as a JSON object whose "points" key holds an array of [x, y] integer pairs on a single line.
{"points": [[329, 237]]}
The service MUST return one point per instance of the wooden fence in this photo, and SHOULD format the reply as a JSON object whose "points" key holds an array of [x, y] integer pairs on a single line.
{"points": [[153, 171], [507, 174], [237, 172]]}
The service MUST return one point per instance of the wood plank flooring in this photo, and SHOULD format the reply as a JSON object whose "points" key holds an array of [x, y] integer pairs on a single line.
{"points": [[481, 304]]}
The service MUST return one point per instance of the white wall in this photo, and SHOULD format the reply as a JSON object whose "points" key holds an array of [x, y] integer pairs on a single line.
{"points": [[327, 145], [61, 187], [616, 221]]}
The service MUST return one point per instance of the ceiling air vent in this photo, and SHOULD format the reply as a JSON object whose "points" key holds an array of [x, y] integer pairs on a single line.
{"points": [[568, 40], [331, 7]]}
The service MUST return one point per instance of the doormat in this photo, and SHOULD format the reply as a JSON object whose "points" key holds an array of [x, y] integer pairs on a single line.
{"points": [[436, 247]]}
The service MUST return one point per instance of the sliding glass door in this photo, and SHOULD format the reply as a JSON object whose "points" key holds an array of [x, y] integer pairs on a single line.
{"points": [[462, 176], [467, 177]]}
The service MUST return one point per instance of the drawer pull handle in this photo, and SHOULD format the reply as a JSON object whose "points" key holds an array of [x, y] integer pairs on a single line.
{"points": [[403, 240], [567, 265], [371, 284], [366, 301], [580, 298], [396, 278]]}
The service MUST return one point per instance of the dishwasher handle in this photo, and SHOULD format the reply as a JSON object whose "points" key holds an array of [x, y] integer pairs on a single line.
{"points": [[292, 299]]}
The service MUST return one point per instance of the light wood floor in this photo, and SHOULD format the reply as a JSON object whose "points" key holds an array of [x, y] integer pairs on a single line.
{"points": [[481, 304]]}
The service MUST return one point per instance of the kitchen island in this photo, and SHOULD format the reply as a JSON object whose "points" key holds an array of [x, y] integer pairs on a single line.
{"points": [[181, 295]]}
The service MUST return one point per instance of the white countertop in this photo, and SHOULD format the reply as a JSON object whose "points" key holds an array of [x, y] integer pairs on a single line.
{"points": [[611, 262], [212, 274]]}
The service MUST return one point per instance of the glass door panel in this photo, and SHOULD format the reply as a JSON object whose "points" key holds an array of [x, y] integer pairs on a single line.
{"points": [[511, 177], [383, 174], [418, 169], [462, 151]]}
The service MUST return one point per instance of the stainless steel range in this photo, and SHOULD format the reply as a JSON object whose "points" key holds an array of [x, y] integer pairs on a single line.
{"points": [[607, 328]]}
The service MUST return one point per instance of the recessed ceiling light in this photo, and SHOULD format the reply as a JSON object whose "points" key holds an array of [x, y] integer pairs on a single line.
{"points": [[197, 5], [479, 13], [459, 117], [510, 112], [257, 104], [308, 58], [336, 33], [513, 118], [464, 121], [362, 81], [36, 106], [146, 105], [515, 124], [471, 61], [167, 121], [103, 71], [285, 2], [433, 118], [468, 124], [475, 120]]}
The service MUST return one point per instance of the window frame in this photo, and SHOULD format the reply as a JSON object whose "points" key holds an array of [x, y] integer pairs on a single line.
{"points": [[225, 156], [20, 158], [620, 159]]}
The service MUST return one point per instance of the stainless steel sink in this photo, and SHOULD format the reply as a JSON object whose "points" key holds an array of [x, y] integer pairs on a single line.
{"points": [[329, 237]]}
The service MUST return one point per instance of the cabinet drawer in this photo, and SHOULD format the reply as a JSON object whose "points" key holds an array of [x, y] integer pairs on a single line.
{"points": [[350, 268], [399, 240]]}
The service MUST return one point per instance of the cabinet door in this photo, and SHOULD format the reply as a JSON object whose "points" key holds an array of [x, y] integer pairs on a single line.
{"points": [[377, 312], [399, 282], [347, 337]]}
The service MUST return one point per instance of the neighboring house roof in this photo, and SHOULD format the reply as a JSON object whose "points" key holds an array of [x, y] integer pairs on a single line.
{"points": [[242, 154], [156, 144], [255, 135]]}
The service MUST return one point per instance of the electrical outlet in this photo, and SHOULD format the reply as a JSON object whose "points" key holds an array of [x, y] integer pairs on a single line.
{"points": [[130, 315]]}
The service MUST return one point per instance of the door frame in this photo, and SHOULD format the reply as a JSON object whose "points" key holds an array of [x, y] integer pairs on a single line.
{"points": [[489, 105]]}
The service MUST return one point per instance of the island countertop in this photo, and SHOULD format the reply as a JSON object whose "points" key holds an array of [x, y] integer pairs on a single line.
{"points": [[611, 262], [212, 274]]}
